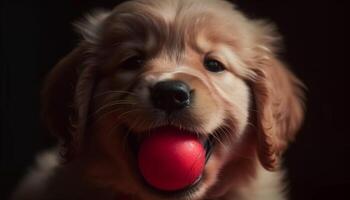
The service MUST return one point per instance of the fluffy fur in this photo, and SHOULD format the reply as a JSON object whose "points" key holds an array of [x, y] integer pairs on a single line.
{"points": [[253, 108]]}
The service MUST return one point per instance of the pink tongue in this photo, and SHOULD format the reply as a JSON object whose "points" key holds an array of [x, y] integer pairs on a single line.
{"points": [[171, 159]]}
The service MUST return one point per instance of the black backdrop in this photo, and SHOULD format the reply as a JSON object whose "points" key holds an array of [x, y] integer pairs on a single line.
{"points": [[35, 35]]}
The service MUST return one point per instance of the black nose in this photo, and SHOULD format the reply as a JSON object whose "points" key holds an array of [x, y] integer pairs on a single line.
{"points": [[171, 95]]}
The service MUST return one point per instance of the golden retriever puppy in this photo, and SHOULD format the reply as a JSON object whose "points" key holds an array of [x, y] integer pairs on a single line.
{"points": [[194, 65]]}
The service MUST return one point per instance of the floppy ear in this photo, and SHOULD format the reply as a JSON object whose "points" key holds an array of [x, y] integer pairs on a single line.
{"points": [[278, 100], [66, 97], [68, 88]]}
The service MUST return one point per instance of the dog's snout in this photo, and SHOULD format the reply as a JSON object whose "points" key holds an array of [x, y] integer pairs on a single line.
{"points": [[171, 95]]}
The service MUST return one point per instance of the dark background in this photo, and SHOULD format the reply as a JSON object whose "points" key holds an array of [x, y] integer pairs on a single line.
{"points": [[35, 35]]}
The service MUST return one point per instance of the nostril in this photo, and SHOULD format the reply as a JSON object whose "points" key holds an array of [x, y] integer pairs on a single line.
{"points": [[171, 95], [181, 97]]}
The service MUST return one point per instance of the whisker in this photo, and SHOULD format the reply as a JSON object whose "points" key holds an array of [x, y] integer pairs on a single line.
{"points": [[127, 112], [106, 113], [243, 156], [228, 133], [225, 135], [113, 103], [135, 122], [217, 138]]}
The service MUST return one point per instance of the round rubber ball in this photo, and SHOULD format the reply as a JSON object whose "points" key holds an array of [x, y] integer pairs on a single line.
{"points": [[171, 159]]}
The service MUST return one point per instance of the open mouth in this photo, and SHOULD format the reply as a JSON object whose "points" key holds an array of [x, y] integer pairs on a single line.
{"points": [[171, 161]]}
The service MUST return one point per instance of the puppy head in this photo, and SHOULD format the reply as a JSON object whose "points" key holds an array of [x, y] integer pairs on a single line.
{"points": [[218, 64]]}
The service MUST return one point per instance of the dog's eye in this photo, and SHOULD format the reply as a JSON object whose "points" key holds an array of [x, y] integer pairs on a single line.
{"points": [[213, 65], [132, 63]]}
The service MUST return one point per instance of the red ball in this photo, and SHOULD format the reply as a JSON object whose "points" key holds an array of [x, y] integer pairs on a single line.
{"points": [[171, 159]]}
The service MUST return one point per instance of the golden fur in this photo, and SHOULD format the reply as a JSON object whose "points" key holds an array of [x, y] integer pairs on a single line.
{"points": [[253, 108]]}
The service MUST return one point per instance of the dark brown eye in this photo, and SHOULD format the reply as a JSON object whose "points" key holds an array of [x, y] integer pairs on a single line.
{"points": [[213, 65], [133, 63]]}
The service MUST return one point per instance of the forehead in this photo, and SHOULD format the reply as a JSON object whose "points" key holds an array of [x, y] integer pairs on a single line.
{"points": [[170, 26]]}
